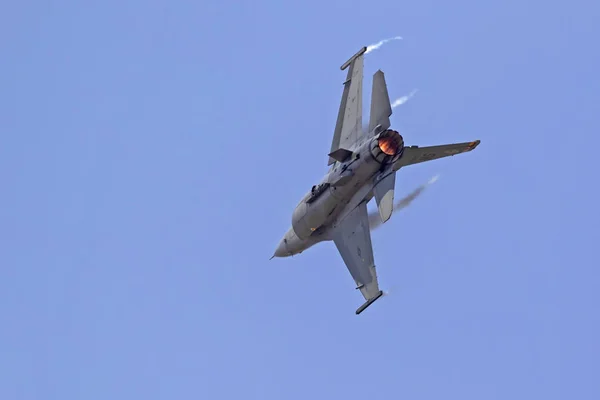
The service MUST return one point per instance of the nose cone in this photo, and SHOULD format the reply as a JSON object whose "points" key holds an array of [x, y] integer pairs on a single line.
{"points": [[281, 250], [290, 245]]}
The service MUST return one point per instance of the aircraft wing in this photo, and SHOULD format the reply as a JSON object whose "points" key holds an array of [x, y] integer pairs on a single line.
{"points": [[415, 155], [348, 128], [352, 237]]}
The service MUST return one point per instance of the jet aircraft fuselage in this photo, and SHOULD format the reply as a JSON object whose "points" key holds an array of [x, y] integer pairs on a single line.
{"points": [[345, 185], [363, 164]]}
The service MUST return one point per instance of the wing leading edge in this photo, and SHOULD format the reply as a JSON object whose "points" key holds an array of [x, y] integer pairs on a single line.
{"points": [[348, 128], [352, 237]]}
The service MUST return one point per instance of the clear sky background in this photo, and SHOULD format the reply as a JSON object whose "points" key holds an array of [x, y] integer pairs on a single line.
{"points": [[152, 153]]}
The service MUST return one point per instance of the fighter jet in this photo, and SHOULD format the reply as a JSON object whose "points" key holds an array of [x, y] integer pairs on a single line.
{"points": [[363, 164]]}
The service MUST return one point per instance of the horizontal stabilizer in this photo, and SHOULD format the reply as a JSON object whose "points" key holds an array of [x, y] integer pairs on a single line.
{"points": [[340, 155], [414, 154], [368, 303]]}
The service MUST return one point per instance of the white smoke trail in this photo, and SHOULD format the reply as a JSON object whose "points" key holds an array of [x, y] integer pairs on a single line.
{"points": [[375, 219], [377, 45], [401, 100], [398, 102]]}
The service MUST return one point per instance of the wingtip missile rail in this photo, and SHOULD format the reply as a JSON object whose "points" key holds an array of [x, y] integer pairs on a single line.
{"points": [[358, 54]]}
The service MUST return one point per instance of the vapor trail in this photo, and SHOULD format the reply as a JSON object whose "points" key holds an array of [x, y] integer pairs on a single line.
{"points": [[401, 100], [375, 219], [377, 45]]}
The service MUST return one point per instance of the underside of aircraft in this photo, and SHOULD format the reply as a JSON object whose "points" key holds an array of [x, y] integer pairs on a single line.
{"points": [[363, 164]]}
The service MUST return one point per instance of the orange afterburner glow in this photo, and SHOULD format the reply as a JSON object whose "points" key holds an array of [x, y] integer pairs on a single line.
{"points": [[388, 145], [390, 142]]}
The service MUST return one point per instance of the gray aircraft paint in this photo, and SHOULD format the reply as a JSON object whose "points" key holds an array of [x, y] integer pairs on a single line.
{"points": [[363, 164]]}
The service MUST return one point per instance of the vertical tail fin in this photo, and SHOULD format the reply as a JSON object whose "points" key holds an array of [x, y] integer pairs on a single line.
{"points": [[381, 109]]}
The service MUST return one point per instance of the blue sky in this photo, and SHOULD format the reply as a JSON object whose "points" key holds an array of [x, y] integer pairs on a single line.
{"points": [[153, 152]]}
